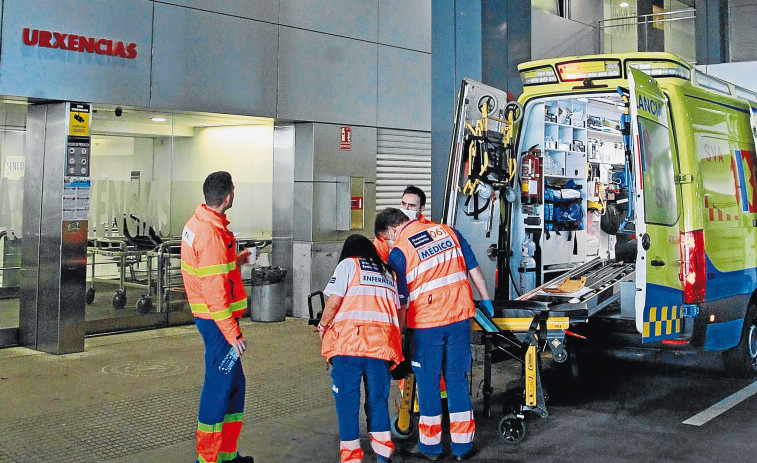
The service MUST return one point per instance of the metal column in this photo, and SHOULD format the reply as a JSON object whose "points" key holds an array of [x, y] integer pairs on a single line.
{"points": [[56, 209]]}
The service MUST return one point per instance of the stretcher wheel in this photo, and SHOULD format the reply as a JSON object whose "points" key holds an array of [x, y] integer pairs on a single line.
{"points": [[398, 433], [119, 299], [90, 296], [512, 429]]}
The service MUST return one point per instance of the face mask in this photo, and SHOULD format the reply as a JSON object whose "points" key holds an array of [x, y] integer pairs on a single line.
{"points": [[412, 215]]}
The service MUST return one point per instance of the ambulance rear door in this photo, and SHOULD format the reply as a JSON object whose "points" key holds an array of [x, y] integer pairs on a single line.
{"points": [[471, 204], [658, 208]]}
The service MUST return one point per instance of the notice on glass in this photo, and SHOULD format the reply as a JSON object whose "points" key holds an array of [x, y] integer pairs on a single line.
{"points": [[76, 192]]}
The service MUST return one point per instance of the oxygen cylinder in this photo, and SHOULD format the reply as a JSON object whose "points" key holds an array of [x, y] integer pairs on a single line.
{"points": [[527, 266]]}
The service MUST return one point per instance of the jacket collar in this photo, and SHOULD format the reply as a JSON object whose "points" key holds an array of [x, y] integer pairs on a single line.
{"points": [[214, 218]]}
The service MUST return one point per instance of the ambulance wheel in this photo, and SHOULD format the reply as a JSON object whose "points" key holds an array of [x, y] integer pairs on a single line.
{"points": [[398, 433], [741, 361], [512, 429]]}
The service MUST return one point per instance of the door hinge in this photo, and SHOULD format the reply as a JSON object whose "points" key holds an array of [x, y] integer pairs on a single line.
{"points": [[684, 178]]}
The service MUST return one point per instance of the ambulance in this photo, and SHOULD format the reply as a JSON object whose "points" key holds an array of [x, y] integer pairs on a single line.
{"points": [[623, 183]]}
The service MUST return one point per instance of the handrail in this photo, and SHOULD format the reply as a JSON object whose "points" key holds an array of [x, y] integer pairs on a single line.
{"points": [[645, 18]]}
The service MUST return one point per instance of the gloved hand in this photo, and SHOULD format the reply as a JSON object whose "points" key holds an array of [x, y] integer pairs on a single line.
{"points": [[487, 307]]}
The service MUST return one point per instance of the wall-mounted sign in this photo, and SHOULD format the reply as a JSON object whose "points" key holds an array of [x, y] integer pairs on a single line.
{"points": [[78, 43], [13, 167], [78, 121], [345, 137]]}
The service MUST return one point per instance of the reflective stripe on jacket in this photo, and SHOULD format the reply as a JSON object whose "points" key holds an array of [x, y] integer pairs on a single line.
{"points": [[366, 323], [209, 268], [437, 278]]}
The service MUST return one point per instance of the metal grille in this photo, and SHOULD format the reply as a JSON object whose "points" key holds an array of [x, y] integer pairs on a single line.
{"points": [[403, 158], [135, 425]]}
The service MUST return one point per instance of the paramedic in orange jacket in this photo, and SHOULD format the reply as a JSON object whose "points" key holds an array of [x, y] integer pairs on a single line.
{"points": [[433, 262], [360, 334], [216, 295], [413, 203]]}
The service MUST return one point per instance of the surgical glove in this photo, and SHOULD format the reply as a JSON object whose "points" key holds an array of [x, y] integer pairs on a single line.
{"points": [[487, 307]]}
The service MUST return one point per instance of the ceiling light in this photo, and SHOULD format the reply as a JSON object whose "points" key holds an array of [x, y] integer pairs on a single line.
{"points": [[158, 119], [623, 4]]}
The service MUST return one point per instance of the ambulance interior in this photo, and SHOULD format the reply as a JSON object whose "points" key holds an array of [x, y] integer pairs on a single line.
{"points": [[577, 208]]}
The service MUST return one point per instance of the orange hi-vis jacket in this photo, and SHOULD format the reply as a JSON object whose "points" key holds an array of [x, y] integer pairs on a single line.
{"points": [[382, 245], [437, 278], [209, 268], [366, 324]]}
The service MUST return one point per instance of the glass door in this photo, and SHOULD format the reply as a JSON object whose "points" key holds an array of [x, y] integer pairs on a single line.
{"points": [[12, 167]]}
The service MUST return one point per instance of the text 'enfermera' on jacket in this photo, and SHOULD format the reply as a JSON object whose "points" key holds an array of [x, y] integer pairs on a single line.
{"points": [[437, 278], [366, 323], [209, 268]]}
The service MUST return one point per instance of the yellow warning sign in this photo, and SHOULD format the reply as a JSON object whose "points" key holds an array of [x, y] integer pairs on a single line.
{"points": [[78, 123]]}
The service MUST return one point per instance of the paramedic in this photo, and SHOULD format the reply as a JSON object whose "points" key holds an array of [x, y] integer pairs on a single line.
{"points": [[431, 261], [413, 204], [360, 334], [216, 295]]}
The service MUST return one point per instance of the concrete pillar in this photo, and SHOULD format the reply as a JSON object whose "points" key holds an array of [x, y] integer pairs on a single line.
{"points": [[712, 32]]}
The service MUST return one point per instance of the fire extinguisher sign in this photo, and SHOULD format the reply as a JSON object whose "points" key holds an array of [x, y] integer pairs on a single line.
{"points": [[345, 137]]}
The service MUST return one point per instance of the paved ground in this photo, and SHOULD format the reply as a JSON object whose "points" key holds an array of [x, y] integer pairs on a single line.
{"points": [[133, 398]]}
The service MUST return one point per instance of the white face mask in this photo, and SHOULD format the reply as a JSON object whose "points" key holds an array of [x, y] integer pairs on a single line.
{"points": [[412, 215]]}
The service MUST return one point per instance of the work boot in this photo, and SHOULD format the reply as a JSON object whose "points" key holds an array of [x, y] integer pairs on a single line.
{"points": [[415, 452], [240, 459]]}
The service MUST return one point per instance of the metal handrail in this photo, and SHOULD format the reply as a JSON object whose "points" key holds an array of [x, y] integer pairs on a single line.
{"points": [[162, 267], [645, 18]]}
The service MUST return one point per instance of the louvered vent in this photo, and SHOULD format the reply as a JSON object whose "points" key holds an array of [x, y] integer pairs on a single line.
{"points": [[403, 158]]}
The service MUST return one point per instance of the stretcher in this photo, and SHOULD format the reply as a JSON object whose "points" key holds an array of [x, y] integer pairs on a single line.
{"points": [[539, 320]]}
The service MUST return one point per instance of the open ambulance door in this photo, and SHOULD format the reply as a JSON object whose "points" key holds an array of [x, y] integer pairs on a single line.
{"points": [[657, 198], [480, 167]]}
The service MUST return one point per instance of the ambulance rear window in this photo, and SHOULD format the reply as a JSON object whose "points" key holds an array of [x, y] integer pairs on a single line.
{"points": [[660, 203]]}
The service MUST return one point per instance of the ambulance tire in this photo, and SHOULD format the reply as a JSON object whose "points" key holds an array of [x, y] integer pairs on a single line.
{"points": [[741, 361]]}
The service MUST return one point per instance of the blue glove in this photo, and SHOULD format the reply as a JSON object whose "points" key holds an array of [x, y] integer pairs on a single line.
{"points": [[487, 307]]}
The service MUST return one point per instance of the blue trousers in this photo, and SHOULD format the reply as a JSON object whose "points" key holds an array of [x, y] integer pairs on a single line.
{"points": [[221, 412], [444, 348], [347, 374]]}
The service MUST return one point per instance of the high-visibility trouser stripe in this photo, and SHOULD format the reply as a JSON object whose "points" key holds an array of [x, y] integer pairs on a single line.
{"points": [[430, 430], [368, 316], [433, 262], [226, 456], [202, 460], [462, 427], [210, 434], [381, 442], [217, 427], [438, 283], [350, 451], [218, 269], [221, 314]]}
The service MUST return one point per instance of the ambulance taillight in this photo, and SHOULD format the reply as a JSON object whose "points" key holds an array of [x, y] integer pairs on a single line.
{"points": [[693, 266]]}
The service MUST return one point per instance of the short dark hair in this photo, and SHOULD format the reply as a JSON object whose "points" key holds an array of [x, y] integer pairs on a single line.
{"points": [[216, 187], [389, 217], [414, 190], [362, 247]]}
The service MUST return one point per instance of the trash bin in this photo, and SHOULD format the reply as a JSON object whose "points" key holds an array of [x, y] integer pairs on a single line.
{"points": [[267, 296]]}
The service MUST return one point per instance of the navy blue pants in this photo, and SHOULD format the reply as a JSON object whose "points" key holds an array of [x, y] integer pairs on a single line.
{"points": [[220, 418]]}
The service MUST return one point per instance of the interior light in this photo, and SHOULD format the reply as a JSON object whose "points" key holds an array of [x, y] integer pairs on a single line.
{"points": [[623, 4], [712, 317], [158, 119]]}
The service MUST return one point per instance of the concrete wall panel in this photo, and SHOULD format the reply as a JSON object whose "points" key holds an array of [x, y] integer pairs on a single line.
{"points": [[404, 89], [56, 73], [553, 36], [326, 78], [405, 24], [262, 10], [357, 19], [211, 74]]}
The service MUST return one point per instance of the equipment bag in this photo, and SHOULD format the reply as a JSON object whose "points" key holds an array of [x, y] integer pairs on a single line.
{"points": [[562, 207]]}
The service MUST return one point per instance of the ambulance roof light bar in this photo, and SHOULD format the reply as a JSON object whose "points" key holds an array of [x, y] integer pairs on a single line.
{"points": [[592, 69], [661, 68], [712, 83], [539, 75]]}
